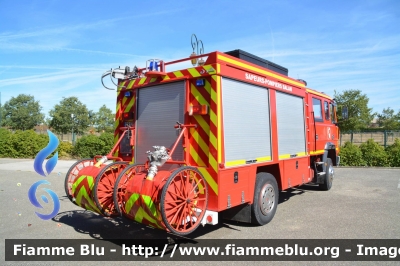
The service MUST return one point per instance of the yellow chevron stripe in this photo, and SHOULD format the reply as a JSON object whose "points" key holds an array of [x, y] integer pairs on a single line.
{"points": [[140, 214], [210, 181], [207, 86], [197, 95], [153, 79], [196, 157], [200, 142], [200, 119], [130, 104], [166, 77], [118, 106], [203, 124], [258, 70], [116, 123], [213, 117], [124, 99], [131, 201], [150, 204], [131, 84], [142, 80], [214, 96], [178, 74], [194, 72], [91, 206], [213, 140], [218, 101], [213, 163], [209, 69], [82, 193]]}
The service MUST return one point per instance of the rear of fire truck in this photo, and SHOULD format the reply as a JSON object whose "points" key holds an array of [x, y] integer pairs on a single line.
{"points": [[224, 135], [173, 143]]}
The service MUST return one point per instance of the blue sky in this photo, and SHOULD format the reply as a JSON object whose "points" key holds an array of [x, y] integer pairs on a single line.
{"points": [[53, 49]]}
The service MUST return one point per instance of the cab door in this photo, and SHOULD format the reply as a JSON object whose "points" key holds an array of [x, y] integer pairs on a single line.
{"points": [[324, 129]]}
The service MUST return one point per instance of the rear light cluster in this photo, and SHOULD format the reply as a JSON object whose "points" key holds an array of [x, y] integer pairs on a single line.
{"points": [[198, 109]]}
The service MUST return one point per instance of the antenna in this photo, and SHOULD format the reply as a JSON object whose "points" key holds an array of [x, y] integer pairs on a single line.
{"points": [[273, 41]]}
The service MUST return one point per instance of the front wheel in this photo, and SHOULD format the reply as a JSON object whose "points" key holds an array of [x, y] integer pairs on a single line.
{"points": [[266, 196], [330, 173]]}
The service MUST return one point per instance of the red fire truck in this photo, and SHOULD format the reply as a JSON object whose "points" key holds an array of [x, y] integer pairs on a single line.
{"points": [[221, 137]]}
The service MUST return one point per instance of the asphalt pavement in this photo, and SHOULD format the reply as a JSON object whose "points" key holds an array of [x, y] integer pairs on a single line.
{"points": [[26, 165], [362, 204]]}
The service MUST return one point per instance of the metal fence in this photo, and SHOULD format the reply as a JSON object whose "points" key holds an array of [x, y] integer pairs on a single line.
{"points": [[63, 137], [68, 137], [384, 137]]}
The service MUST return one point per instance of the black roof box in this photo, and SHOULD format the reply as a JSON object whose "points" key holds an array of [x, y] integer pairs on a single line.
{"points": [[258, 61]]}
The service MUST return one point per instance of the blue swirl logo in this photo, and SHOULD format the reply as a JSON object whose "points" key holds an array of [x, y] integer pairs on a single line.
{"points": [[41, 156], [36, 203], [38, 166]]}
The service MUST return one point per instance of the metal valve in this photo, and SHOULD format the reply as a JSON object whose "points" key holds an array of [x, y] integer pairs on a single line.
{"points": [[157, 159]]}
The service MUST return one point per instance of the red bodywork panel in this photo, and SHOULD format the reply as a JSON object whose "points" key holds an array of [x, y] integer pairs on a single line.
{"points": [[204, 145]]}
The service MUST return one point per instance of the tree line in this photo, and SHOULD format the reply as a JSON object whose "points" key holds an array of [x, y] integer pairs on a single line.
{"points": [[360, 115], [24, 113]]}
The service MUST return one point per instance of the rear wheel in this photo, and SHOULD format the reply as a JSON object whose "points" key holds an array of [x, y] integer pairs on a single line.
{"points": [[184, 200], [265, 200], [329, 174], [72, 174], [104, 188]]}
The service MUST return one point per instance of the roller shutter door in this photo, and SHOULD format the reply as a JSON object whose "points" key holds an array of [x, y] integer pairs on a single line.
{"points": [[159, 108], [291, 132], [246, 123]]}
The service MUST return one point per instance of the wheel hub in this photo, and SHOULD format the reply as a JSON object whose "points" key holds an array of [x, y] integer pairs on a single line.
{"points": [[267, 198], [331, 174]]}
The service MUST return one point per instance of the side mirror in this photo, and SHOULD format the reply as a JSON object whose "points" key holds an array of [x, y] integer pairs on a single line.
{"points": [[345, 113]]}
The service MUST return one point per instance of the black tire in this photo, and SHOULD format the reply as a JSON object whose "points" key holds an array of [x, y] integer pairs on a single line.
{"points": [[266, 197], [123, 178], [329, 174], [68, 180]]}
